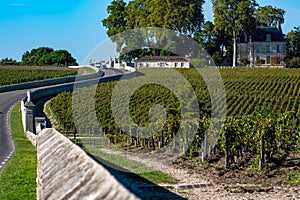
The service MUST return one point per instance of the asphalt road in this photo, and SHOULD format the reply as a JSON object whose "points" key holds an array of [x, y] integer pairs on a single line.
{"points": [[7, 100]]}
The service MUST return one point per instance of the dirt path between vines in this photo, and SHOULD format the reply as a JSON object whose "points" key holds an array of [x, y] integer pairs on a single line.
{"points": [[197, 186]]}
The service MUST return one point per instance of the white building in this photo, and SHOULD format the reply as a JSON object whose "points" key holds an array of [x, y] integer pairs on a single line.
{"points": [[162, 62]]}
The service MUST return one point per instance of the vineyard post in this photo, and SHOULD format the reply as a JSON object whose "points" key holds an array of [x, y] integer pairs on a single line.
{"points": [[174, 140], [162, 138], [103, 139], [90, 137], [227, 163], [262, 153], [152, 138], [187, 138], [137, 138], [75, 139], [94, 137], [205, 146], [130, 135]]}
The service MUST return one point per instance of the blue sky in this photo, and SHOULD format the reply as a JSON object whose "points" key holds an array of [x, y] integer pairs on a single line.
{"points": [[75, 25]]}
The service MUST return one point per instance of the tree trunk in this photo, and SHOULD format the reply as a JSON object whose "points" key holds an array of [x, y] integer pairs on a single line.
{"points": [[234, 50]]}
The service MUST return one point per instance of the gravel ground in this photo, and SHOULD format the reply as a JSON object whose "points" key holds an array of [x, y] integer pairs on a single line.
{"points": [[196, 186]]}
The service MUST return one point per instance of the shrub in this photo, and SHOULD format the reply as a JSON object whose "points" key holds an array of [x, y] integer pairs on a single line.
{"points": [[293, 62], [244, 62], [260, 62], [276, 60]]}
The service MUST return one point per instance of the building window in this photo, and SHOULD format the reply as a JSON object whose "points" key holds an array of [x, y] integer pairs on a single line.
{"points": [[268, 59], [268, 38], [182, 65], [257, 48], [176, 65], [268, 48], [161, 64], [278, 48]]}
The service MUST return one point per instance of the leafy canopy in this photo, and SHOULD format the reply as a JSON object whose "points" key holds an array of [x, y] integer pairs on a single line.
{"points": [[183, 16], [47, 56], [268, 15]]}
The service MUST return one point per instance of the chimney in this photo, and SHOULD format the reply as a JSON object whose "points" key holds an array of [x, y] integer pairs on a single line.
{"points": [[279, 26]]}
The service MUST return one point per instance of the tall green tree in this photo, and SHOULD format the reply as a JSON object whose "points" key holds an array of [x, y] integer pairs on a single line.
{"points": [[268, 16], [234, 17], [58, 58], [293, 48], [116, 20], [47, 56], [211, 41], [183, 16], [293, 43], [8, 62], [33, 57]]}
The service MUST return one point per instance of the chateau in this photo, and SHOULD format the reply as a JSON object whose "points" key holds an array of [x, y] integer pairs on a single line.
{"points": [[266, 47]]}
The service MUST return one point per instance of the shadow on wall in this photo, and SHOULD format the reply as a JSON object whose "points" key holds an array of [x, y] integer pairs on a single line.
{"points": [[139, 186]]}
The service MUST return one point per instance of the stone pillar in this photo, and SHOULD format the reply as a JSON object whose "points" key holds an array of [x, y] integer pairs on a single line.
{"points": [[110, 63], [30, 114]]}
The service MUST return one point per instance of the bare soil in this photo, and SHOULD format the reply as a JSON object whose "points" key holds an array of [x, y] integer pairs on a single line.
{"points": [[210, 180]]}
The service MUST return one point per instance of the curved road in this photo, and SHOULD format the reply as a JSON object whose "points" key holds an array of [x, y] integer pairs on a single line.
{"points": [[7, 100]]}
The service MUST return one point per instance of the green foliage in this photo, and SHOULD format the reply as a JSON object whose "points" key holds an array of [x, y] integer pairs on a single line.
{"points": [[116, 21], [8, 62], [63, 111], [293, 48], [18, 178], [293, 62], [234, 18], [259, 101], [149, 13], [244, 61], [211, 42], [45, 56], [268, 15], [57, 58], [33, 57], [294, 178], [14, 76], [260, 62]]}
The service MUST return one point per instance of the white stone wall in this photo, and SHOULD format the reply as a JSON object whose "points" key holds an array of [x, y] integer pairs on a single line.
{"points": [[66, 172]]}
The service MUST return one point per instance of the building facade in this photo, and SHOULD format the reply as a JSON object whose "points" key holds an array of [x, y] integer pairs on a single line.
{"points": [[266, 47], [162, 62]]}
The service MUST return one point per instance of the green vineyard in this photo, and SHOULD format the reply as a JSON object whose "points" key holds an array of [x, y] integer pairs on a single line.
{"points": [[259, 102], [15, 76]]}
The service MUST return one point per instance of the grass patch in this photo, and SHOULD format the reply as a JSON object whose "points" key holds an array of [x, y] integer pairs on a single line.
{"points": [[134, 167], [294, 178], [86, 70], [18, 178]]}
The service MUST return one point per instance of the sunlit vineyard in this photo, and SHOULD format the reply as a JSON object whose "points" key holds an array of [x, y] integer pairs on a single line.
{"points": [[259, 102], [15, 76]]}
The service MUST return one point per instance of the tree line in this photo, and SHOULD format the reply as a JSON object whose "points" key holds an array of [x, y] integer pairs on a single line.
{"points": [[42, 56], [219, 38]]}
